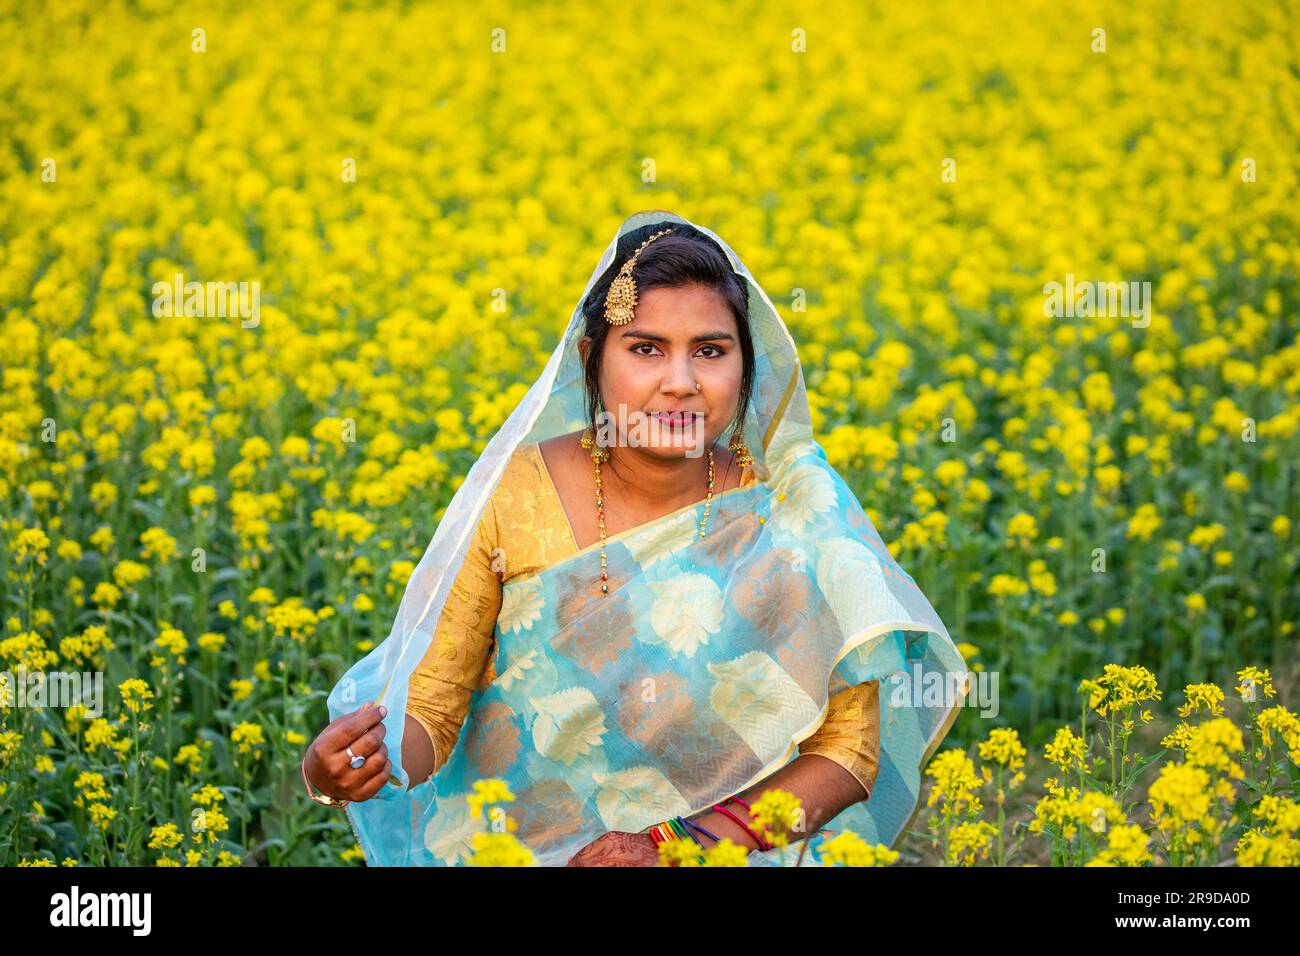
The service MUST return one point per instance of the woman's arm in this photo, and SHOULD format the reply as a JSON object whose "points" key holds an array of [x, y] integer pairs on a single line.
{"points": [[823, 787], [418, 756], [836, 768], [440, 686], [456, 662], [850, 734]]}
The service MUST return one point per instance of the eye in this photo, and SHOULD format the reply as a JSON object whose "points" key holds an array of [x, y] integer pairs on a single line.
{"points": [[643, 345], [717, 351]]}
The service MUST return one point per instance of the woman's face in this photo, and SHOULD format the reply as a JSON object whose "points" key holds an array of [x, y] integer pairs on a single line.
{"points": [[677, 337]]}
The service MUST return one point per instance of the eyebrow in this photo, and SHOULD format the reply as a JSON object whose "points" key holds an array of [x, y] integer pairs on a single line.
{"points": [[649, 337]]}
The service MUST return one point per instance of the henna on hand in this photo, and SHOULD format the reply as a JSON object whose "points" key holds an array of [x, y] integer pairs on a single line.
{"points": [[617, 848]]}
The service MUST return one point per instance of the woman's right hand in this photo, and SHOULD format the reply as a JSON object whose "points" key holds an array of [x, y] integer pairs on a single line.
{"points": [[327, 762]]}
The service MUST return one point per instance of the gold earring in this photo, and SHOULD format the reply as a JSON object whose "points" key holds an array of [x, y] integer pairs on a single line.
{"points": [[598, 453], [737, 445]]}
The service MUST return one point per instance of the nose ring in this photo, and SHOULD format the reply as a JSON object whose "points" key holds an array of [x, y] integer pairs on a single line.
{"points": [[697, 386]]}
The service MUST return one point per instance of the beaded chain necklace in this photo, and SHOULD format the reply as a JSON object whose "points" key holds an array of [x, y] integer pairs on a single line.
{"points": [[600, 515]]}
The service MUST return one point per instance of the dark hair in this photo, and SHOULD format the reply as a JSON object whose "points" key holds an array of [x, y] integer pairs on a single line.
{"points": [[682, 257]]}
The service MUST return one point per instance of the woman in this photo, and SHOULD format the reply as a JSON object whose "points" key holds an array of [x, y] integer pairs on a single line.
{"points": [[634, 627]]}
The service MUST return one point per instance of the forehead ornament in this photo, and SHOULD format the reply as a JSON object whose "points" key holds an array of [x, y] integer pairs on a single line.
{"points": [[620, 301]]}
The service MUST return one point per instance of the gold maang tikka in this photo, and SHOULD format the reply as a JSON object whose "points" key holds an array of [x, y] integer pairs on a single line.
{"points": [[620, 301]]}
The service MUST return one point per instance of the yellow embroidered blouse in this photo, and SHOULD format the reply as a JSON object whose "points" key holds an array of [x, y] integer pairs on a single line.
{"points": [[525, 511]]}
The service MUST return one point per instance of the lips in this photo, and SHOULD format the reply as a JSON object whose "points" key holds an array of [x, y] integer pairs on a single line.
{"points": [[675, 419]]}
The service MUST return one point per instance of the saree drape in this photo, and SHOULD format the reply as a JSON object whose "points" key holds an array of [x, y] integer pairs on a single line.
{"points": [[702, 669], [523, 531]]}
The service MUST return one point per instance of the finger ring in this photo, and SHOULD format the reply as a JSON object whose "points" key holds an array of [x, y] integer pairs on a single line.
{"points": [[356, 760]]}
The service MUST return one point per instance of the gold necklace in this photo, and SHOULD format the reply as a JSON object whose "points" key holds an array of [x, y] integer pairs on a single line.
{"points": [[600, 515]]}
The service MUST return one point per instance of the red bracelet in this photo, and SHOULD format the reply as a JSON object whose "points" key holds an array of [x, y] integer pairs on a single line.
{"points": [[762, 844]]}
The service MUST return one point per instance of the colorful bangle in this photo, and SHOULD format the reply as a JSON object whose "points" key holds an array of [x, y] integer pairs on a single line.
{"points": [[682, 831], [675, 829], [691, 823]]}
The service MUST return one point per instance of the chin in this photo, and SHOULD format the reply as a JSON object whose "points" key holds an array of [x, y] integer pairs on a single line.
{"points": [[687, 449]]}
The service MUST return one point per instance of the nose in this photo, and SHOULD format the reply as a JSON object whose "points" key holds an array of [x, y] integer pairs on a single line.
{"points": [[679, 378]]}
